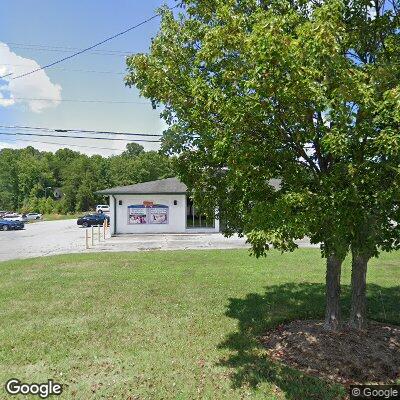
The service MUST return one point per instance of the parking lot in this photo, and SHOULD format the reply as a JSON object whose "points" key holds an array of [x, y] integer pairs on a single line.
{"points": [[42, 239], [61, 237]]}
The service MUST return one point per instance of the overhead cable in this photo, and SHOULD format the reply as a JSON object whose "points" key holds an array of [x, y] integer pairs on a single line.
{"points": [[88, 48], [55, 143], [60, 130], [77, 137], [79, 100]]}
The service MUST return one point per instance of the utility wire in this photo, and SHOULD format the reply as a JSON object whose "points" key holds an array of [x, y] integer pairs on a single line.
{"points": [[80, 100], [79, 130], [59, 144], [78, 137], [5, 76], [49, 46], [71, 70], [67, 49], [98, 53], [90, 47]]}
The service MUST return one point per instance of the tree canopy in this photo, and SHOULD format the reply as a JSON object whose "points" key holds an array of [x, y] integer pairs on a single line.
{"points": [[29, 176], [304, 91]]}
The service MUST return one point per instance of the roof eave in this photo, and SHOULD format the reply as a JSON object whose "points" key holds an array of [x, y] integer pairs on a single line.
{"points": [[136, 193]]}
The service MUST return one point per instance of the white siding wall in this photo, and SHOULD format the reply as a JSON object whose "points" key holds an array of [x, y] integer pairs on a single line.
{"points": [[112, 218], [176, 217]]}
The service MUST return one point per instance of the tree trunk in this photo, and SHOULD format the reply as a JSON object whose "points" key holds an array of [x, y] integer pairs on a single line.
{"points": [[358, 290], [332, 313]]}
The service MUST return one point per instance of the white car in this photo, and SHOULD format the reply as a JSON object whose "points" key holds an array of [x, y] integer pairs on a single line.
{"points": [[105, 208], [16, 217], [33, 216]]}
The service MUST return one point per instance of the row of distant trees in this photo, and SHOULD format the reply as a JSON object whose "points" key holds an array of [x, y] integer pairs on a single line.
{"points": [[28, 177]]}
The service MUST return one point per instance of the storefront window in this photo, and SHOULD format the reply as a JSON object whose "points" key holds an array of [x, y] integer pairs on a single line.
{"points": [[196, 220]]}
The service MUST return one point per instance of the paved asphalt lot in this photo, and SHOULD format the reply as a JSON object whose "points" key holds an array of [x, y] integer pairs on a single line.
{"points": [[61, 237], [42, 239]]}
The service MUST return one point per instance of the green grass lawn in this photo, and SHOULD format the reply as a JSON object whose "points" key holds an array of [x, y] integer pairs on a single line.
{"points": [[169, 325]]}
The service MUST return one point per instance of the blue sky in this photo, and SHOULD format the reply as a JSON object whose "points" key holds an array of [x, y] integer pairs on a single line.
{"points": [[77, 24]]}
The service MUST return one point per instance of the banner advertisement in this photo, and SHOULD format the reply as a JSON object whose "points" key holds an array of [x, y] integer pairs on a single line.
{"points": [[158, 214], [137, 215], [148, 213]]}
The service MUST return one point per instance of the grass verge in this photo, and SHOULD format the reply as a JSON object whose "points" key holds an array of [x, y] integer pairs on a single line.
{"points": [[169, 325]]}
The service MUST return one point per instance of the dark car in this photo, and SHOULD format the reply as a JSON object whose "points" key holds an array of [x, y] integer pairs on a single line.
{"points": [[11, 225], [92, 219]]}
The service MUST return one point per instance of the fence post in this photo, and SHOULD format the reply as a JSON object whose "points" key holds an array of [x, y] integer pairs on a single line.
{"points": [[98, 232], [86, 238], [104, 229], [92, 236]]}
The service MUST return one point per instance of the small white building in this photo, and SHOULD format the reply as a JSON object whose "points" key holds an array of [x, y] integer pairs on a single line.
{"points": [[161, 206]]}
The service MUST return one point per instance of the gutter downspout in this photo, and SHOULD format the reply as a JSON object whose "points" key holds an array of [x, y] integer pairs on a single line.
{"points": [[115, 214]]}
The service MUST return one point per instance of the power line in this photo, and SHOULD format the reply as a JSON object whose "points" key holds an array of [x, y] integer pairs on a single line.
{"points": [[5, 76], [78, 137], [71, 70], [80, 100], [97, 53], [90, 47], [78, 130], [67, 49], [59, 144], [71, 48]]}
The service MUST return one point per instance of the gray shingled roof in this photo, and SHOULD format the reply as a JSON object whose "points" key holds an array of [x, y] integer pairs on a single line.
{"points": [[161, 186]]}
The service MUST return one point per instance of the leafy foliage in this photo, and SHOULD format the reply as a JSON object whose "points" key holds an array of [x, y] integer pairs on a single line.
{"points": [[304, 91], [26, 173]]}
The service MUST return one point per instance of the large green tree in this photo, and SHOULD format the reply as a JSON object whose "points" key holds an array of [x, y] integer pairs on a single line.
{"points": [[28, 175], [9, 186], [304, 91]]}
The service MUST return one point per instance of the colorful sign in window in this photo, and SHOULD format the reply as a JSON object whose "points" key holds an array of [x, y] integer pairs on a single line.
{"points": [[148, 213]]}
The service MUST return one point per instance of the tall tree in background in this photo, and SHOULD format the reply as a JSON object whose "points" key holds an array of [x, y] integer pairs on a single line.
{"points": [[28, 175], [133, 150], [307, 91], [9, 186]]}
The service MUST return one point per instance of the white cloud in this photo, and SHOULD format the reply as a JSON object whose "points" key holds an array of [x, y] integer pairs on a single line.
{"points": [[35, 86]]}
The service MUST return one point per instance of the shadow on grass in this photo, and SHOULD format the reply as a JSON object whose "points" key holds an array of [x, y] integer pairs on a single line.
{"points": [[257, 313]]}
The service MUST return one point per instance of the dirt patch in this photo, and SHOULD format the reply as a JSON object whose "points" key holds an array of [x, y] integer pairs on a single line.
{"points": [[347, 356]]}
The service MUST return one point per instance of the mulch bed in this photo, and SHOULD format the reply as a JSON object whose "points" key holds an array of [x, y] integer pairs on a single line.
{"points": [[346, 357]]}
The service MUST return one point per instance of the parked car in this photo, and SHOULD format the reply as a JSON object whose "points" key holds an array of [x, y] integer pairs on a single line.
{"points": [[16, 217], [105, 208], [3, 213], [92, 219], [11, 225], [33, 216]]}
